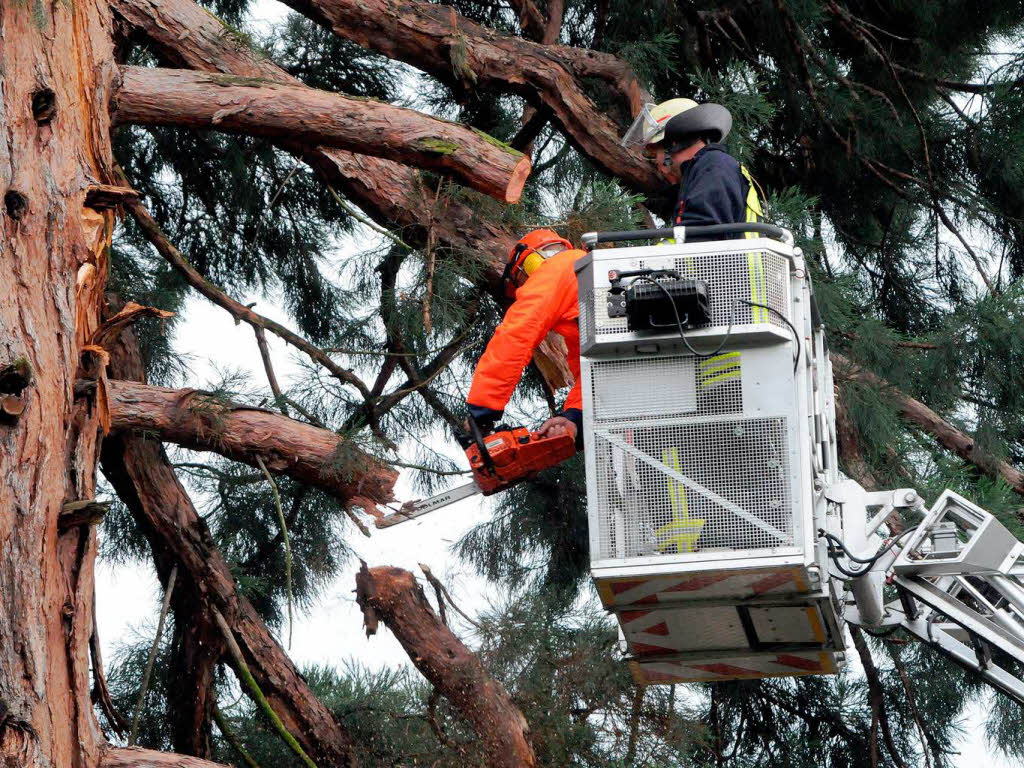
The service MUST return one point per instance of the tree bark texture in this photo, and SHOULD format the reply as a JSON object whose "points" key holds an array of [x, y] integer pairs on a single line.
{"points": [[393, 596], [945, 434], [144, 480], [183, 34], [57, 67], [309, 454], [312, 118], [461, 53], [136, 757]]}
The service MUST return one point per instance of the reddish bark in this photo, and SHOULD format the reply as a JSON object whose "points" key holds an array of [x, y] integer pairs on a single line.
{"points": [[136, 757], [144, 480], [455, 50], [309, 117], [183, 34], [309, 454], [945, 434], [393, 596], [53, 262]]}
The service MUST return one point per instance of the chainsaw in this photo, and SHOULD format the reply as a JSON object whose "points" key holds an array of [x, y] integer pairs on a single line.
{"points": [[498, 461]]}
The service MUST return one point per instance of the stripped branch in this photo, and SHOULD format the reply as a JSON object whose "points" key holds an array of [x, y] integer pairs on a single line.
{"points": [[183, 34], [311, 455], [311, 117], [948, 436], [456, 50]]}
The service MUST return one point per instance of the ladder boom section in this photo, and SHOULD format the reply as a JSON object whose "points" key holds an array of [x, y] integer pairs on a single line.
{"points": [[957, 576]]}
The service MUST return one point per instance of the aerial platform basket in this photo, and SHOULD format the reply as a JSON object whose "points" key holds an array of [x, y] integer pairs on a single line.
{"points": [[701, 470]]}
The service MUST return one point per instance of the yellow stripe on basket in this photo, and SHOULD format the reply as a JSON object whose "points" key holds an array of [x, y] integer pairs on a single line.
{"points": [[728, 365], [816, 628], [718, 359], [719, 379]]}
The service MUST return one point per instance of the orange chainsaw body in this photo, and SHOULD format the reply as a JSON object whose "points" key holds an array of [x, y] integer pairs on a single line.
{"points": [[517, 454]]}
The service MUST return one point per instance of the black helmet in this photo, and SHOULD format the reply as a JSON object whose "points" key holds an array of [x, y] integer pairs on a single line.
{"points": [[704, 121]]}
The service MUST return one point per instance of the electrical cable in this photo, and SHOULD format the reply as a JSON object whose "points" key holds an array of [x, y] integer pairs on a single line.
{"points": [[728, 333], [796, 336], [869, 563], [679, 322]]}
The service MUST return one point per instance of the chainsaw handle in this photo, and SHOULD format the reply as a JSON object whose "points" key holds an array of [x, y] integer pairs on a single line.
{"points": [[478, 438]]}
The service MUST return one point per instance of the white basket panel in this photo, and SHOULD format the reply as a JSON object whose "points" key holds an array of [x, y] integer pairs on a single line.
{"points": [[672, 489], [756, 276], [666, 387]]}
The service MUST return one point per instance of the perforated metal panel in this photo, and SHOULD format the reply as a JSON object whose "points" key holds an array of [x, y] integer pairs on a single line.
{"points": [[666, 387], [759, 277], [670, 489]]}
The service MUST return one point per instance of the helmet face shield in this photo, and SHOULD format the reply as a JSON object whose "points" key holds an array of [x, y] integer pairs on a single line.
{"points": [[644, 128]]}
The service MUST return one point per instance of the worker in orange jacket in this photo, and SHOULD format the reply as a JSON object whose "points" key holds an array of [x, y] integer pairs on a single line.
{"points": [[539, 274]]}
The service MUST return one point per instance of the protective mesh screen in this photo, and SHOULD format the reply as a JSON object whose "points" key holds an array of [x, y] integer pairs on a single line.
{"points": [[666, 387], [668, 489], [586, 320], [756, 276]]}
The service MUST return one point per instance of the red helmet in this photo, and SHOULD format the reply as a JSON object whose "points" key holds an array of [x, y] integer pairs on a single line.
{"points": [[528, 254]]}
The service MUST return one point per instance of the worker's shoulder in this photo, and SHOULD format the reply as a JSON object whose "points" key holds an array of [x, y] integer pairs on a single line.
{"points": [[715, 156], [564, 261]]}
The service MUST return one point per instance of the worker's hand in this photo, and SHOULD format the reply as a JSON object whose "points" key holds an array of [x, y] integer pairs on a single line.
{"points": [[557, 425]]}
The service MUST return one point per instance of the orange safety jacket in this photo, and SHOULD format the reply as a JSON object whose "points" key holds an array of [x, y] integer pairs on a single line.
{"points": [[547, 301]]}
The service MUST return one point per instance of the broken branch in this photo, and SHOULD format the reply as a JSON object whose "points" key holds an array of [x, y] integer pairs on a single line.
{"points": [[310, 117], [392, 595], [311, 455]]}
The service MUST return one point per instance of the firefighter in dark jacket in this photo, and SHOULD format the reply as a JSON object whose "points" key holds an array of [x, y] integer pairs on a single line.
{"points": [[684, 139]]}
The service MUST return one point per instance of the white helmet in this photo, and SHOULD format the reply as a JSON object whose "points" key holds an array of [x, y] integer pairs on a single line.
{"points": [[686, 116]]}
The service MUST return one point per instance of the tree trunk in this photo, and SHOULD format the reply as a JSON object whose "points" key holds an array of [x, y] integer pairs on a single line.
{"points": [[311, 118], [57, 65], [392, 595]]}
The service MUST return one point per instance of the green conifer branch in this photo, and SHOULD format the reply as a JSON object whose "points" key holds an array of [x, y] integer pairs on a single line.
{"points": [[287, 543], [250, 682], [232, 738]]}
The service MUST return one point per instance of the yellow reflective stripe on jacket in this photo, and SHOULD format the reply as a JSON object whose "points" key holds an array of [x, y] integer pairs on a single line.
{"points": [[754, 210], [755, 261]]}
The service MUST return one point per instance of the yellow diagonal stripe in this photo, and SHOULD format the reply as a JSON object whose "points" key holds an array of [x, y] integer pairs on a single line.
{"points": [[718, 359], [683, 531]]}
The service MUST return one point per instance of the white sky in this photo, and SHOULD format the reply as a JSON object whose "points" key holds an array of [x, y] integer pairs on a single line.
{"points": [[127, 597]]}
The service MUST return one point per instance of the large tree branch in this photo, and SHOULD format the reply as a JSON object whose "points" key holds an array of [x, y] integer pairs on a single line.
{"points": [[393, 596], [144, 480], [311, 455], [311, 118], [945, 434], [455, 50], [136, 757], [186, 35]]}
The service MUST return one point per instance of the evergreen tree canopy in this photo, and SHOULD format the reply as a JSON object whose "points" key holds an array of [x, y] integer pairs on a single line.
{"points": [[889, 136]]}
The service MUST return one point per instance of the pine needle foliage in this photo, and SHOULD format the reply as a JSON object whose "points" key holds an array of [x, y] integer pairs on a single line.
{"points": [[888, 136]]}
